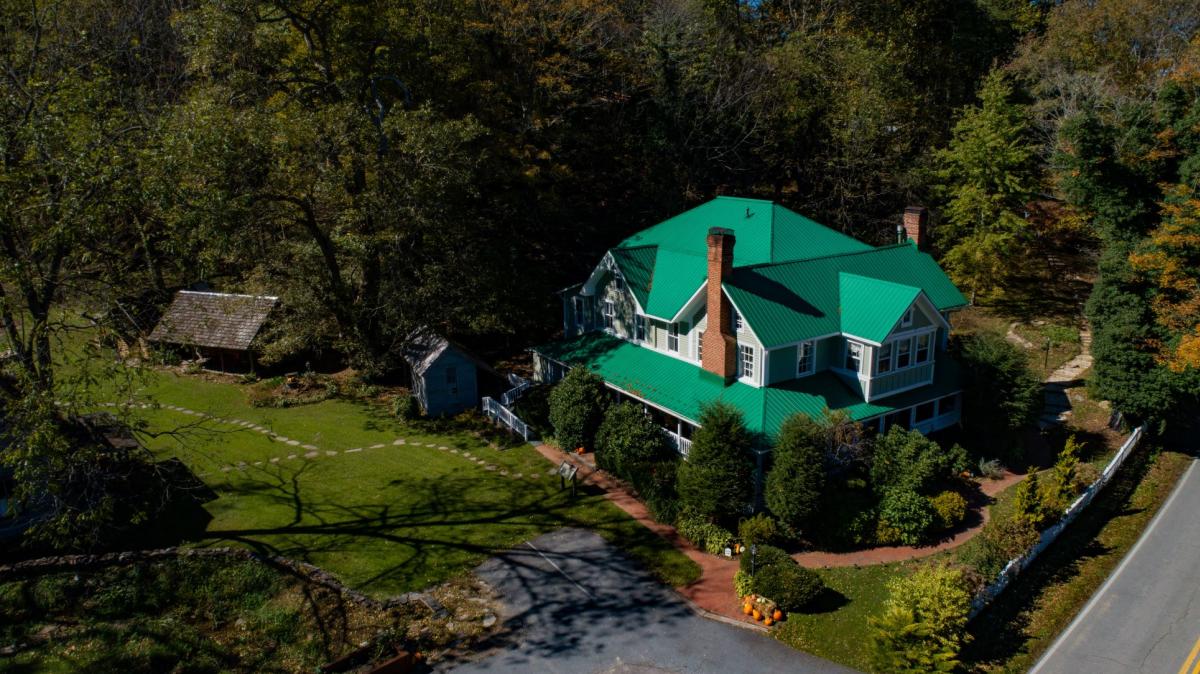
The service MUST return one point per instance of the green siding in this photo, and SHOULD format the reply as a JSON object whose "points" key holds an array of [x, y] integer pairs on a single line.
{"points": [[897, 380], [829, 353], [783, 364]]}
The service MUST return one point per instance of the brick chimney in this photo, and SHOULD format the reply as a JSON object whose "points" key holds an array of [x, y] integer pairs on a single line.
{"points": [[916, 226], [720, 345]]}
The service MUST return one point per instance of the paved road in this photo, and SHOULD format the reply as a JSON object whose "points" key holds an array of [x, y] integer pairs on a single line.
{"points": [[1146, 618], [575, 604]]}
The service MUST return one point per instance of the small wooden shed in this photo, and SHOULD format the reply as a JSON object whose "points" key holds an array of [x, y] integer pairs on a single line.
{"points": [[218, 326], [445, 376]]}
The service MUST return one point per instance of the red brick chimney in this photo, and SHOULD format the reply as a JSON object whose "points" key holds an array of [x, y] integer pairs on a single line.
{"points": [[720, 345], [916, 226]]}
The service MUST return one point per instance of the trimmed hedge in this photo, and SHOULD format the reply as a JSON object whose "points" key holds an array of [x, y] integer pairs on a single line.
{"points": [[711, 538], [791, 586]]}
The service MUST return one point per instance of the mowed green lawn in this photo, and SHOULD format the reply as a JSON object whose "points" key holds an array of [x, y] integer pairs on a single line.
{"points": [[384, 519]]}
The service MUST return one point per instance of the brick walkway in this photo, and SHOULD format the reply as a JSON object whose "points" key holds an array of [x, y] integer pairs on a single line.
{"points": [[713, 590]]}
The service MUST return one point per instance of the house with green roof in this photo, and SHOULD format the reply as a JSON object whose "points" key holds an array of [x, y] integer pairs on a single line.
{"points": [[745, 301]]}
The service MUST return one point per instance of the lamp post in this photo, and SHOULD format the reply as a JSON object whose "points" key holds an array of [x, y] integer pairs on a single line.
{"points": [[753, 553]]}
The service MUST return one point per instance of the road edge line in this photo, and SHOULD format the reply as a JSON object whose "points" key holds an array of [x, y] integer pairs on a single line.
{"points": [[1166, 506]]}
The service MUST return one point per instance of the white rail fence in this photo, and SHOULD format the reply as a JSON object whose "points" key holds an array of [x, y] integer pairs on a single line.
{"points": [[494, 410], [1018, 564], [519, 386]]}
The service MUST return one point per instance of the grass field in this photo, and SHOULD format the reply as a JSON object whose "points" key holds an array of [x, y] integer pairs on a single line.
{"points": [[384, 519]]}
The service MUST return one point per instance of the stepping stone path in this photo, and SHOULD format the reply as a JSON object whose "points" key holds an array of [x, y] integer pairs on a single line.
{"points": [[314, 451]]}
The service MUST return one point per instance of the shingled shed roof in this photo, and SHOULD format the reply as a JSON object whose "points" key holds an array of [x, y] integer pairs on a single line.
{"points": [[213, 320]]}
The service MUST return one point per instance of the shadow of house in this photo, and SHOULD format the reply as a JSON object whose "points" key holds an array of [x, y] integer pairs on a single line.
{"points": [[445, 377], [218, 327]]}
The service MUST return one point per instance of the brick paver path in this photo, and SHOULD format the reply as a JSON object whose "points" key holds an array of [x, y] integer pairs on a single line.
{"points": [[713, 590]]}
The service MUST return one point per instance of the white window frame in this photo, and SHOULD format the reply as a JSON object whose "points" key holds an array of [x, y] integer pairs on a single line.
{"points": [[917, 359], [739, 325], [806, 358], [904, 348], [673, 337], [885, 352], [609, 313], [639, 328], [699, 346], [907, 320], [618, 281], [746, 361], [854, 350]]}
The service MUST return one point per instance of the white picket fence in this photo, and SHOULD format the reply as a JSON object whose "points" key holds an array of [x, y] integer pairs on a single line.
{"points": [[494, 410], [1018, 564]]}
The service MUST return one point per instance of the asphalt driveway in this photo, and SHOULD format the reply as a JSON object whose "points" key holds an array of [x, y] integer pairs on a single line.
{"points": [[573, 603]]}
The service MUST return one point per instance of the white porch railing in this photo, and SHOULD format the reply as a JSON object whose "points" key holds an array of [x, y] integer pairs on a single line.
{"points": [[494, 410], [680, 443], [519, 386]]}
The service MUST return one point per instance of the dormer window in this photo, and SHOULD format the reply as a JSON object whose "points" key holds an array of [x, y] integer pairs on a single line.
{"points": [[907, 321], [738, 324], [618, 282], [610, 311]]}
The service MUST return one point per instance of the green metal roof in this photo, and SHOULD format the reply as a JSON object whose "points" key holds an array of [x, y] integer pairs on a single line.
{"points": [[766, 232], [683, 387], [637, 266], [870, 308], [792, 301]]}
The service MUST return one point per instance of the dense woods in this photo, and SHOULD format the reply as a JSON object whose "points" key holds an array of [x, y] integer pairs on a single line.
{"points": [[382, 165]]}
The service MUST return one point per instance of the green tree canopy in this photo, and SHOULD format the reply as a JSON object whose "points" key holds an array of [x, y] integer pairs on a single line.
{"points": [[796, 479]]}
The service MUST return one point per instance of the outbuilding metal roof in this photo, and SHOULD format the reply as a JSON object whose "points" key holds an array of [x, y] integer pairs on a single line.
{"points": [[213, 320]]}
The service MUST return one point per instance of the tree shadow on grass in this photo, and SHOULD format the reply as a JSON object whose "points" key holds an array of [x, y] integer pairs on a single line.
{"points": [[437, 524], [828, 601]]}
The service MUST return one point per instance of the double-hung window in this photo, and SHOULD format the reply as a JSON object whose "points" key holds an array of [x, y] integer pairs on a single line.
{"points": [[805, 359], [639, 328], [673, 337], [747, 360], [618, 282], [738, 323], [885, 358], [922, 353], [700, 346], [903, 353], [854, 352], [610, 311]]}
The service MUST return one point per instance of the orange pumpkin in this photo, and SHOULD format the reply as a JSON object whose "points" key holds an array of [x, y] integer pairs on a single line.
{"points": [[747, 608], [767, 621], [777, 615], [757, 615]]}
